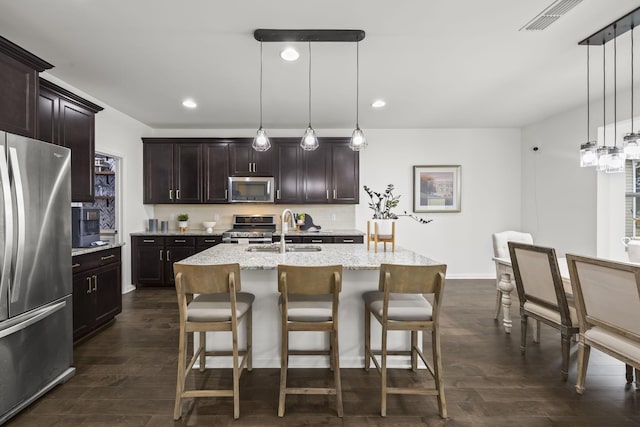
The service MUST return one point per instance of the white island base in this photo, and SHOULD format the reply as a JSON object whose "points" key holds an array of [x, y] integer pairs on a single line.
{"points": [[259, 276]]}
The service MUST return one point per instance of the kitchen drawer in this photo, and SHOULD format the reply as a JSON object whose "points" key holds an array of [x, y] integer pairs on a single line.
{"points": [[148, 240], [180, 241], [348, 239], [207, 242], [95, 259], [288, 239], [317, 239]]}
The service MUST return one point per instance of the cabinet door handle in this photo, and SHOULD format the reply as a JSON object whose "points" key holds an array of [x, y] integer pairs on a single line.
{"points": [[95, 283], [278, 194], [254, 167], [89, 287], [334, 194], [180, 241], [316, 241], [76, 265], [149, 241], [225, 194], [250, 167], [168, 256], [347, 241], [177, 194], [209, 240], [104, 258], [327, 194], [161, 255], [170, 194]]}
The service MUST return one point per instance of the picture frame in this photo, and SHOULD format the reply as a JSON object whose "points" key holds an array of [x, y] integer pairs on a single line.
{"points": [[436, 188]]}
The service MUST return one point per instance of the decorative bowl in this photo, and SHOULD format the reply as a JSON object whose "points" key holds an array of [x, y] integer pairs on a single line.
{"points": [[209, 225]]}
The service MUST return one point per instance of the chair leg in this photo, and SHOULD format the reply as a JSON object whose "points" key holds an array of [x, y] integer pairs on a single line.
{"points": [[182, 350], [536, 331], [336, 372], [498, 303], [203, 346], [367, 338], [236, 378], [383, 374], [583, 362], [566, 347], [629, 373], [437, 367], [414, 352], [284, 362], [523, 333], [249, 325], [637, 379]]}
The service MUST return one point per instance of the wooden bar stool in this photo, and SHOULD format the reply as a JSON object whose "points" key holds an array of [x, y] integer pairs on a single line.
{"points": [[375, 237], [218, 306], [309, 302], [399, 305]]}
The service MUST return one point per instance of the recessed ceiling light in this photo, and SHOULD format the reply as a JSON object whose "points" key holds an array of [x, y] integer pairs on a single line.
{"points": [[378, 103], [189, 103], [289, 54]]}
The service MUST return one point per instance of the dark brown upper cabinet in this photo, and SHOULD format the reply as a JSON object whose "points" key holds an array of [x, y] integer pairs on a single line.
{"points": [[19, 89], [245, 161], [216, 172], [331, 173], [68, 120], [172, 171], [289, 180]]}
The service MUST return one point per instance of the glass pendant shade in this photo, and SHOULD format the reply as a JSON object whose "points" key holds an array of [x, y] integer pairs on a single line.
{"points": [[603, 157], [631, 145], [261, 141], [358, 141], [309, 141], [588, 154], [615, 162]]}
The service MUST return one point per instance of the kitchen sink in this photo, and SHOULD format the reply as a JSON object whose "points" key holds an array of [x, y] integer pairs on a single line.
{"points": [[288, 248]]}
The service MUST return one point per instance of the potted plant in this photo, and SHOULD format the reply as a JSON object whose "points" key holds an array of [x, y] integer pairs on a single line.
{"points": [[381, 204], [183, 221]]}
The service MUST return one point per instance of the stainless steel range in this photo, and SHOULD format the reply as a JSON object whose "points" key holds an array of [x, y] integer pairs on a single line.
{"points": [[251, 229]]}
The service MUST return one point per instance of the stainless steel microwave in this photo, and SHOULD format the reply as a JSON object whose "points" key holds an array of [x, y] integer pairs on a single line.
{"points": [[251, 189]]}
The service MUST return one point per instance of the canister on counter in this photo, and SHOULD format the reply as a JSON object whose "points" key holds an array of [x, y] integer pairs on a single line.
{"points": [[164, 226], [153, 225]]}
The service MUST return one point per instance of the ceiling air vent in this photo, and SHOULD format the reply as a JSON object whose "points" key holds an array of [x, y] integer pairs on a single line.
{"points": [[550, 15]]}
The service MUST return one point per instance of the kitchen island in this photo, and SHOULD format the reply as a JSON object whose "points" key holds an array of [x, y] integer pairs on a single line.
{"points": [[259, 276]]}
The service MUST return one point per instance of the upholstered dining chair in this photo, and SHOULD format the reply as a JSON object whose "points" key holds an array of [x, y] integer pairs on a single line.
{"points": [[501, 250], [607, 298], [210, 300], [542, 295], [399, 304], [309, 298]]}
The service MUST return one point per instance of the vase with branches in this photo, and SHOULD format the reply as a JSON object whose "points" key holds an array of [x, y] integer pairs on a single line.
{"points": [[382, 204]]}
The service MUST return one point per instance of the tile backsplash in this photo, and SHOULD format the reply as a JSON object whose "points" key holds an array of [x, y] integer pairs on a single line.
{"points": [[328, 217]]}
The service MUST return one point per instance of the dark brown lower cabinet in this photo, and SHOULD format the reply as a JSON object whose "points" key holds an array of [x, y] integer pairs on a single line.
{"points": [[321, 239], [97, 290], [152, 256]]}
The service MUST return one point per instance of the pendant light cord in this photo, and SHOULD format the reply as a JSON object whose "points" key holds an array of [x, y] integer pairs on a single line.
{"points": [[604, 95], [309, 83], [588, 102], [615, 91], [357, 84], [261, 84], [631, 78]]}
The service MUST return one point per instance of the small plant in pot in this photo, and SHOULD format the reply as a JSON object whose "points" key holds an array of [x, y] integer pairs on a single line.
{"points": [[183, 221]]}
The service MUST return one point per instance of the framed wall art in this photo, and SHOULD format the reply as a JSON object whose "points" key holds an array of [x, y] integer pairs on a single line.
{"points": [[436, 188]]}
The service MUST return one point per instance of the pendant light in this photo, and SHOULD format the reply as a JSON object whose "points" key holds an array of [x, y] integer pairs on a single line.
{"points": [[358, 141], [603, 150], [588, 150], [631, 141], [261, 140], [309, 141], [615, 162]]}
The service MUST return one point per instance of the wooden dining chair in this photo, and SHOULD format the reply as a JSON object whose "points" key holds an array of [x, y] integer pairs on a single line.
{"points": [[399, 304], [542, 295], [607, 298], [309, 298], [209, 300]]}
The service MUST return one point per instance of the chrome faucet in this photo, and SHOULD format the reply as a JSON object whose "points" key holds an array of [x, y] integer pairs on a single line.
{"points": [[285, 227]]}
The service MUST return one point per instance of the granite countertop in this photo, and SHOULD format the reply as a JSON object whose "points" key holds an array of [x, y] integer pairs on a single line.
{"points": [[82, 251], [352, 257], [219, 231]]}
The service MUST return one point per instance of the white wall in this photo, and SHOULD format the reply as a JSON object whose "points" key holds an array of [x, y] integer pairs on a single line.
{"points": [[119, 135]]}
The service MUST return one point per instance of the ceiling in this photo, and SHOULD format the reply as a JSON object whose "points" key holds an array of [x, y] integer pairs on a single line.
{"points": [[437, 63]]}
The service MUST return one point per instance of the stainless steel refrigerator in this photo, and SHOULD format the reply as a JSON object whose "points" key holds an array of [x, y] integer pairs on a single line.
{"points": [[36, 338]]}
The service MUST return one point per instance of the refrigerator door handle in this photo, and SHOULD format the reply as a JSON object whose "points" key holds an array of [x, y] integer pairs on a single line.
{"points": [[20, 210], [8, 221], [22, 322]]}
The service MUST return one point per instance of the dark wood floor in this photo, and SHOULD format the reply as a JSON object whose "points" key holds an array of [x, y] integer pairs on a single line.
{"points": [[126, 377]]}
